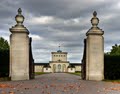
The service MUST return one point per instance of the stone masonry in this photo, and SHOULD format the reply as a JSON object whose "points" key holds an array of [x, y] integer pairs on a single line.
{"points": [[19, 50], [94, 51]]}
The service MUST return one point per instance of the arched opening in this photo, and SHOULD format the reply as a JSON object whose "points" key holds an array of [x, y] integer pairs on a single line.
{"points": [[64, 68], [59, 68], [54, 68]]}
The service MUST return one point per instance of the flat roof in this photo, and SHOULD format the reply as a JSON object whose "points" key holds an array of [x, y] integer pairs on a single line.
{"points": [[59, 52], [75, 64], [41, 63], [56, 62]]}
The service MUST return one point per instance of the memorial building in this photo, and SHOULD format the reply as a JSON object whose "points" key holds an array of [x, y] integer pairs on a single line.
{"points": [[58, 63]]}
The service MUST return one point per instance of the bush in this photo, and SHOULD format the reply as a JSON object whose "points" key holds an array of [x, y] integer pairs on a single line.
{"points": [[4, 63], [4, 57], [112, 67]]}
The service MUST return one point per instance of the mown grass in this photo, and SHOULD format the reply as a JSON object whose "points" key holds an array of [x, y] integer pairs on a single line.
{"points": [[40, 73], [76, 73]]}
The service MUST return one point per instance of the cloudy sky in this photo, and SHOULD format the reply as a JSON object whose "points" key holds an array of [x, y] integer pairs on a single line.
{"points": [[61, 22]]}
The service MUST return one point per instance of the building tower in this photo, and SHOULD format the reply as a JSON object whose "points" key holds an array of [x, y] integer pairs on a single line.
{"points": [[59, 61]]}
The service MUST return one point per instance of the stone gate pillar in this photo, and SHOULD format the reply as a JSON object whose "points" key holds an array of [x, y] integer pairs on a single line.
{"points": [[94, 51], [19, 50]]}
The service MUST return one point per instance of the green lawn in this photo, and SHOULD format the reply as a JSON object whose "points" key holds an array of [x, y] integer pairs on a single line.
{"points": [[40, 73], [76, 73]]}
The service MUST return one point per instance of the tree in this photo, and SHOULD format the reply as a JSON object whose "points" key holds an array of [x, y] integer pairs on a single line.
{"points": [[115, 50], [3, 44], [4, 57], [112, 63]]}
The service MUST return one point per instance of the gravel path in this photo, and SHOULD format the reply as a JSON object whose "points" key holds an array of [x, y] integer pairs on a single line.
{"points": [[58, 83]]}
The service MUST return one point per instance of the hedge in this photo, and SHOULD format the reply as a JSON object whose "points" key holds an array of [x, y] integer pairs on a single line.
{"points": [[112, 67], [4, 63]]}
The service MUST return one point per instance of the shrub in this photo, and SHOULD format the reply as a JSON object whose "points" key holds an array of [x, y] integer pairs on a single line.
{"points": [[112, 67], [4, 63]]}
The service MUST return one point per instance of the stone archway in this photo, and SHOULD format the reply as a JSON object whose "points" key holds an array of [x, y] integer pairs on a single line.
{"points": [[54, 67], [63, 68], [59, 67]]}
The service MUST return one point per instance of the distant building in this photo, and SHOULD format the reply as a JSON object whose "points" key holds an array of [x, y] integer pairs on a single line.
{"points": [[59, 63]]}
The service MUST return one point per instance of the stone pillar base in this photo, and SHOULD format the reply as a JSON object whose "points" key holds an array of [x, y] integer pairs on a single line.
{"points": [[96, 77], [19, 77]]}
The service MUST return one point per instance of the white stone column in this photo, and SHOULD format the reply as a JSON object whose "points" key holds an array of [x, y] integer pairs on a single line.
{"points": [[19, 50], [94, 51]]}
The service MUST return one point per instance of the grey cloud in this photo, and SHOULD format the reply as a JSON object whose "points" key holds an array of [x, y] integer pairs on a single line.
{"points": [[70, 36], [63, 8]]}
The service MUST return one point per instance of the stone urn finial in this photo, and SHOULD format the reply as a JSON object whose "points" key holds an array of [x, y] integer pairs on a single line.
{"points": [[19, 27], [94, 13], [94, 20], [19, 11], [19, 17]]}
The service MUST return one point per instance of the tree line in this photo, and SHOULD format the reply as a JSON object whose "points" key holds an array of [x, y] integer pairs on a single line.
{"points": [[4, 57], [112, 63]]}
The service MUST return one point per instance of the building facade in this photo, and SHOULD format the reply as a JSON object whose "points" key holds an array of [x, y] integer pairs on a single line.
{"points": [[58, 63]]}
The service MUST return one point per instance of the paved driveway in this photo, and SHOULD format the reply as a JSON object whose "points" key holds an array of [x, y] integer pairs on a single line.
{"points": [[59, 83]]}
